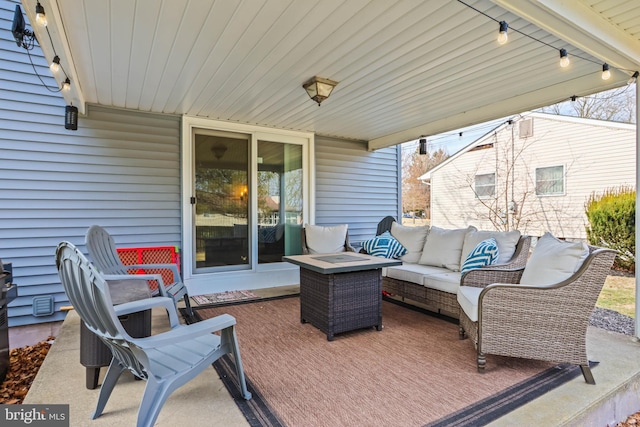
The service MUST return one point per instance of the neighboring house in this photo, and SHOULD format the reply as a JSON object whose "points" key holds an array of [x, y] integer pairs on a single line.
{"points": [[533, 173]]}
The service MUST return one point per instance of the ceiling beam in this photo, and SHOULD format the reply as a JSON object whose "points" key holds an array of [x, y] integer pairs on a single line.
{"points": [[581, 27], [537, 98], [74, 96]]}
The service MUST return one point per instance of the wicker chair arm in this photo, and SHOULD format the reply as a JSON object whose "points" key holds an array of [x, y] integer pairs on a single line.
{"points": [[481, 277]]}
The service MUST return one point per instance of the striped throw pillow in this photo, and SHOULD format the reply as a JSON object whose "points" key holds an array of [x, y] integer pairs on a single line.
{"points": [[485, 253], [384, 245]]}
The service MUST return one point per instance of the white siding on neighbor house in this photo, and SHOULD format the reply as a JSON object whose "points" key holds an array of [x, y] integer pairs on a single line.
{"points": [[355, 186], [596, 156]]}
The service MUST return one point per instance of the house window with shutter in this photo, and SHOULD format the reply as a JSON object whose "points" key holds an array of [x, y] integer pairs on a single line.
{"points": [[485, 185], [550, 181]]}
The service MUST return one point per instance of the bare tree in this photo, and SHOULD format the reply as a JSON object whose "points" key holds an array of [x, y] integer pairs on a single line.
{"points": [[416, 196], [618, 105]]}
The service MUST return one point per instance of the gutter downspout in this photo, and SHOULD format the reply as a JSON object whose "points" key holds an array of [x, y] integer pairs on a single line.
{"points": [[637, 269]]}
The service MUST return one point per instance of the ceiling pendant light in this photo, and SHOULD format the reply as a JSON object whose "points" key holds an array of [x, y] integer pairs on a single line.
{"points": [[564, 58], [319, 88], [41, 18], [502, 35], [606, 74]]}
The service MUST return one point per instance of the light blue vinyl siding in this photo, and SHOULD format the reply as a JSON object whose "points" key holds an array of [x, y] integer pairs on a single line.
{"points": [[120, 169], [356, 186]]}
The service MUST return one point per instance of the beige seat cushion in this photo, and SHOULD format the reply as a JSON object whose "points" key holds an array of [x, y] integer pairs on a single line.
{"points": [[468, 297], [325, 240]]}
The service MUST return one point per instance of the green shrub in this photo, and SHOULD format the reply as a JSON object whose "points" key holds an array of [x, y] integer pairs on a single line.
{"points": [[612, 223]]}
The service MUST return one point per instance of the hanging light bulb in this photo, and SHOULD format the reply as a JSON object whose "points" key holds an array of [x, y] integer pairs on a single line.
{"points": [[502, 35], [633, 78], [41, 18], [564, 58], [606, 74], [66, 85], [55, 64]]}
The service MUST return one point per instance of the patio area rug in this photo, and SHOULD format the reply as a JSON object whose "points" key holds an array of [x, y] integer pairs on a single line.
{"points": [[222, 297], [415, 372]]}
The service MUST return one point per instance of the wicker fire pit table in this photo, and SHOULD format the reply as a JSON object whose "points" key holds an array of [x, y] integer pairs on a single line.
{"points": [[341, 292]]}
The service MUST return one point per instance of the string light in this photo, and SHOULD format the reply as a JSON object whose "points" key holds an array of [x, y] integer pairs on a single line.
{"points": [[55, 64], [66, 85], [502, 34], [564, 58], [41, 18], [606, 74], [633, 78]]}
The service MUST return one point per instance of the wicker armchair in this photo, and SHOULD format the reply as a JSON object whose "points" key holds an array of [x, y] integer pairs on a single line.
{"points": [[546, 322]]}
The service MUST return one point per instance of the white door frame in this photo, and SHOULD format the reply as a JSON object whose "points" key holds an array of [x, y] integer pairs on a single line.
{"points": [[258, 276]]}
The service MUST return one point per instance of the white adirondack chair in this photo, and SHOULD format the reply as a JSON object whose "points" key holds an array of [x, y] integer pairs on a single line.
{"points": [[166, 360], [103, 253]]}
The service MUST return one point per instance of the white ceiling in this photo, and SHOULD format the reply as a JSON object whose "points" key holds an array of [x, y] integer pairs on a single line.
{"points": [[405, 68]]}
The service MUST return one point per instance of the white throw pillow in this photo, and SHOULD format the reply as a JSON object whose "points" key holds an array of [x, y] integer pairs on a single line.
{"points": [[412, 238], [553, 261], [325, 240], [443, 247], [506, 240]]}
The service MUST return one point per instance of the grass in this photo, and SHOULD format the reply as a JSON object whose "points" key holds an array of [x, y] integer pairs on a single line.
{"points": [[618, 294]]}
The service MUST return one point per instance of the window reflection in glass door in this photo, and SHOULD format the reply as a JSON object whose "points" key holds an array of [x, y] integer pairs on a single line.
{"points": [[222, 200], [280, 180]]}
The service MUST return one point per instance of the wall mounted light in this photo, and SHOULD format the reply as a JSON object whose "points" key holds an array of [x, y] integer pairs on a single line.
{"points": [[319, 88], [564, 58], [502, 34], [71, 117], [606, 74]]}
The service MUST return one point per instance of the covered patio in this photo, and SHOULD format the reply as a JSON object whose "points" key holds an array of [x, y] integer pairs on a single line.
{"points": [[404, 70]]}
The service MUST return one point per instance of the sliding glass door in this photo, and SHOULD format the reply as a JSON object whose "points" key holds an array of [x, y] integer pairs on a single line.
{"points": [[222, 214], [249, 199]]}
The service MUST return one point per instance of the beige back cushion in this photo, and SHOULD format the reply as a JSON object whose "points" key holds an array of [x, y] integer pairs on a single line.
{"points": [[443, 247], [553, 261], [506, 240], [325, 240], [412, 238]]}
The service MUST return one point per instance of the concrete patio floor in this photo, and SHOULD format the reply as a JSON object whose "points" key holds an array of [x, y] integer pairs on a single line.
{"points": [[205, 402]]}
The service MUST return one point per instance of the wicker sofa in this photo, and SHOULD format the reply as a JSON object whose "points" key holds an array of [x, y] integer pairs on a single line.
{"points": [[422, 280]]}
